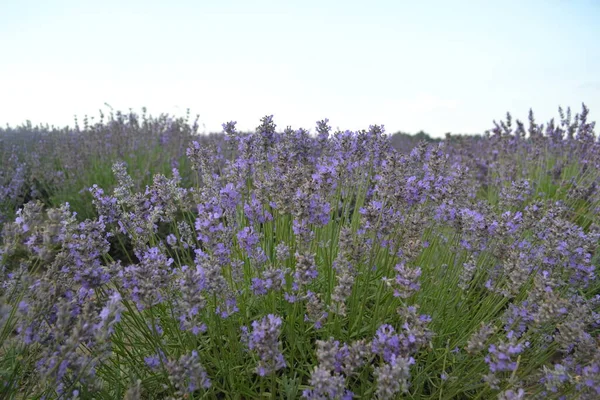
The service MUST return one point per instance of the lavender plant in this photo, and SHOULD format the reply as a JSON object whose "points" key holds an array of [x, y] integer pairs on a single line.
{"points": [[327, 266]]}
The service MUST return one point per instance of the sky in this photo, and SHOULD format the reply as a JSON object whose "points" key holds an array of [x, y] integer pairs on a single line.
{"points": [[438, 66]]}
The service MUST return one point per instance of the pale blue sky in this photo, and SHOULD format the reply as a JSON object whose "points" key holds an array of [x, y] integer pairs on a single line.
{"points": [[434, 65]]}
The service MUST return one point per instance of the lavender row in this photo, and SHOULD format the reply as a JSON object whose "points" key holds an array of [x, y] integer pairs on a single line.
{"points": [[322, 266]]}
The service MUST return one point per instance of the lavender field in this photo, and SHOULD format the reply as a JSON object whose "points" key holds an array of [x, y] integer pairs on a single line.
{"points": [[141, 260]]}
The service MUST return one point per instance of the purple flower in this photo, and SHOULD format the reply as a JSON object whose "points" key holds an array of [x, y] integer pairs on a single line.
{"points": [[148, 281], [407, 281], [393, 377], [255, 212], [248, 239], [327, 385], [187, 374], [386, 342], [229, 196], [306, 269], [171, 240], [511, 394], [556, 378], [229, 308], [152, 361], [192, 285], [110, 315], [500, 356], [264, 341]]}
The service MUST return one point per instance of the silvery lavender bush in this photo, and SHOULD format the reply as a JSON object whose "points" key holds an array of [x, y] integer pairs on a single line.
{"points": [[328, 266]]}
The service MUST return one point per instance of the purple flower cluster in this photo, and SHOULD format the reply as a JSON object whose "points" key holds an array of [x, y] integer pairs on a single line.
{"points": [[256, 212], [501, 355], [336, 364], [393, 377], [187, 374], [407, 281], [149, 281], [413, 336], [264, 342], [271, 280], [192, 286]]}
